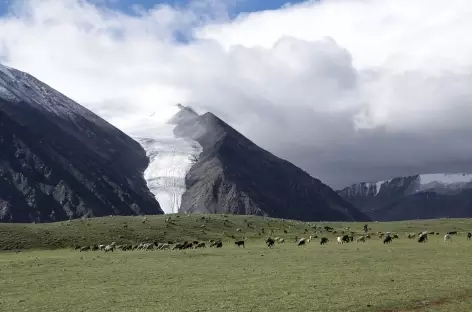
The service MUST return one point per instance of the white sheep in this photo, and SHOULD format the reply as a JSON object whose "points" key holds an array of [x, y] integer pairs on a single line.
{"points": [[340, 240], [447, 237], [148, 246]]}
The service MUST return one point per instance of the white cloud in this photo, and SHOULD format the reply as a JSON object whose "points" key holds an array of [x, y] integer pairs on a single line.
{"points": [[348, 89]]}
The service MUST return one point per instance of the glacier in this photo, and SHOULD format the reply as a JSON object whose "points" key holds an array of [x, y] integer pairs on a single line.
{"points": [[170, 158]]}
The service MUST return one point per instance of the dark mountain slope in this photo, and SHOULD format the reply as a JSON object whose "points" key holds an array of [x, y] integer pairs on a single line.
{"points": [[234, 175], [58, 160]]}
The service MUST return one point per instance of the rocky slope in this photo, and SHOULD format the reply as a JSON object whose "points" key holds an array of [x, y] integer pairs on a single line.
{"points": [[425, 196], [58, 160], [234, 175]]}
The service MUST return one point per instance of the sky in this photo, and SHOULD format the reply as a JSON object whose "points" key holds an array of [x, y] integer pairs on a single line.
{"points": [[348, 90]]}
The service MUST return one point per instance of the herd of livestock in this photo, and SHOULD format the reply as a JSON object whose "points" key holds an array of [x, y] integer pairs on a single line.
{"points": [[387, 238]]}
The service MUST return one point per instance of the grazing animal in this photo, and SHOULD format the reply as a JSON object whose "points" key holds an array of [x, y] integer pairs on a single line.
{"points": [[452, 233], [109, 248], [323, 240], [148, 246], [361, 239], [270, 242], [469, 235], [177, 246], [423, 238], [238, 230], [213, 243], [395, 236], [85, 248], [126, 247], [165, 246], [345, 238], [187, 245], [200, 245], [387, 240], [239, 243], [447, 237], [301, 242]]}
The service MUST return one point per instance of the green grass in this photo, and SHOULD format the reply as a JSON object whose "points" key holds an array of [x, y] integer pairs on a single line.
{"points": [[402, 276]]}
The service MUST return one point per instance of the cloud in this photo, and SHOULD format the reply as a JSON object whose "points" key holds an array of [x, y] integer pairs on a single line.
{"points": [[350, 90]]}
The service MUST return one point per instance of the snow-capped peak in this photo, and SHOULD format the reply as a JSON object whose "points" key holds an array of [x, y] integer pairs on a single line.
{"points": [[19, 87], [437, 182]]}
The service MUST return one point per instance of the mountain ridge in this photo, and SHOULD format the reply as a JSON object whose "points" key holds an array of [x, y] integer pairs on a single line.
{"points": [[59, 160], [234, 175]]}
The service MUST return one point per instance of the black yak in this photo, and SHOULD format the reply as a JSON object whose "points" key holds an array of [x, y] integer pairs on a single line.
{"points": [[270, 242], [387, 240], [239, 243]]}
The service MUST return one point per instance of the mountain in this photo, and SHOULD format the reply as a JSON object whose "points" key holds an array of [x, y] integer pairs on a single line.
{"points": [[234, 175], [423, 196], [59, 160]]}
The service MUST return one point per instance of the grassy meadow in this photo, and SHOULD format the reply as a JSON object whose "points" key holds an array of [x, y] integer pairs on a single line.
{"points": [[47, 275]]}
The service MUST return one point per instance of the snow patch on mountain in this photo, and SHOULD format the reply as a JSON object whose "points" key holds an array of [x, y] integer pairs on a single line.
{"points": [[378, 185], [6, 70]]}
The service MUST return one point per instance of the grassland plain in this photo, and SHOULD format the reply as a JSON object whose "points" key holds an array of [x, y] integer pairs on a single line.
{"points": [[402, 276]]}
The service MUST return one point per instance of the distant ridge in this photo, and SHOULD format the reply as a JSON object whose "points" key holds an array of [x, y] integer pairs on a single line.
{"points": [[421, 196]]}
